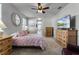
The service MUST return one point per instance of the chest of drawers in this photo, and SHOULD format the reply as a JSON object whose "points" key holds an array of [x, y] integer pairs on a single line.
{"points": [[5, 45], [65, 37]]}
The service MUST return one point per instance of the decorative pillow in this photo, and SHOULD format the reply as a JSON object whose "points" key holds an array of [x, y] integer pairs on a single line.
{"points": [[23, 33], [14, 34], [32, 30]]}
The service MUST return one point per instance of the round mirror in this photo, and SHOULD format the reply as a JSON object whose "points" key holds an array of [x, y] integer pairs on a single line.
{"points": [[16, 20]]}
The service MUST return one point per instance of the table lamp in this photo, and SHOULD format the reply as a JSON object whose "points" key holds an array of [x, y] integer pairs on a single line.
{"points": [[2, 26]]}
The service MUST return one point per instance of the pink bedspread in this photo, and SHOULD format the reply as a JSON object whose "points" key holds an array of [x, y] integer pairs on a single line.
{"points": [[30, 40]]}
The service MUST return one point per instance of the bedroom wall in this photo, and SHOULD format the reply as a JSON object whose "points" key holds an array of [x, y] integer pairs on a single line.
{"points": [[71, 9], [7, 10], [46, 23], [0, 11]]}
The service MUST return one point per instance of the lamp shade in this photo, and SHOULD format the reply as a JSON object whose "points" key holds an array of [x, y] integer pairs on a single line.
{"points": [[2, 25]]}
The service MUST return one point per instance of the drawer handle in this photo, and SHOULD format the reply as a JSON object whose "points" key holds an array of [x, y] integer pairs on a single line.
{"points": [[0, 50], [8, 46], [1, 43]]}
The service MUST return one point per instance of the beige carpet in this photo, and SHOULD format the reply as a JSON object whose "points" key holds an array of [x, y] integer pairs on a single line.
{"points": [[52, 49]]}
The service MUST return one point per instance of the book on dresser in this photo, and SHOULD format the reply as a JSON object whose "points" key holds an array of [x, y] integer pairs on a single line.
{"points": [[5, 45]]}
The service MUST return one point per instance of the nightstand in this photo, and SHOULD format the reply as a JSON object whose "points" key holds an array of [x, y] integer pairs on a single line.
{"points": [[5, 45]]}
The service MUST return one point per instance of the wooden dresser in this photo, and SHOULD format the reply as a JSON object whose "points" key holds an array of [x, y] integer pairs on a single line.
{"points": [[65, 37], [5, 45], [49, 31]]}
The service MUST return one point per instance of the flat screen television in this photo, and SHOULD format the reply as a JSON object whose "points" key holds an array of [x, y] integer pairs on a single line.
{"points": [[64, 22]]}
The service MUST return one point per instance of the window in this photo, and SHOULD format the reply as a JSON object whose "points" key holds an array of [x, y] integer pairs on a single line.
{"points": [[32, 23], [24, 24], [39, 26], [0, 11]]}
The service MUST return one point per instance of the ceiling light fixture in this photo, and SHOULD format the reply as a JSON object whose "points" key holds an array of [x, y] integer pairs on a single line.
{"points": [[39, 11]]}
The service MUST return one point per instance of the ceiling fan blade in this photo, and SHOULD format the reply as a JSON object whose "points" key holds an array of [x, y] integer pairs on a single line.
{"points": [[45, 8], [33, 8], [43, 12]]}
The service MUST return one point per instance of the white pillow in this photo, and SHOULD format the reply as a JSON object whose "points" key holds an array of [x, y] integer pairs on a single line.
{"points": [[14, 34], [32, 30]]}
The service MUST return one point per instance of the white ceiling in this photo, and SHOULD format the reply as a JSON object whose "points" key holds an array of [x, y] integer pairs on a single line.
{"points": [[25, 8]]}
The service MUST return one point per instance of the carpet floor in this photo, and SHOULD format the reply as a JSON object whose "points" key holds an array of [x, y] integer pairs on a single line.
{"points": [[52, 49]]}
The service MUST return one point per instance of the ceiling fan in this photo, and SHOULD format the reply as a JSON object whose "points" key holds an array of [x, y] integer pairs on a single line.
{"points": [[40, 8]]}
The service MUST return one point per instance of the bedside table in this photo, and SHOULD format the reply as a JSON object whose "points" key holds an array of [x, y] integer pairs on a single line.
{"points": [[5, 45]]}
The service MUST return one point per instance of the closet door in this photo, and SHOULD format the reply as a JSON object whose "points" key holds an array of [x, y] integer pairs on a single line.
{"points": [[49, 31]]}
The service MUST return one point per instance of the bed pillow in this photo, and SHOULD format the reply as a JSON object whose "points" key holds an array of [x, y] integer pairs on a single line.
{"points": [[32, 30], [14, 34], [22, 33]]}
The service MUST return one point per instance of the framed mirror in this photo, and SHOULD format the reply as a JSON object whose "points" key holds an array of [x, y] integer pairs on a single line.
{"points": [[16, 19]]}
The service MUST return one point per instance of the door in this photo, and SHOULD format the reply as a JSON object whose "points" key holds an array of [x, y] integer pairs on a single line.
{"points": [[48, 31]]}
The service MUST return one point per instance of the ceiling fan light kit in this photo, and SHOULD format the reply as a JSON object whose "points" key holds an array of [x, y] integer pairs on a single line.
{"points": [[39, 11], [40, 8]]}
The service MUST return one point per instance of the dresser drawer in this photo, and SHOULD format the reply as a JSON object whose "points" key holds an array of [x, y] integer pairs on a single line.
{"points": [[7, 41], [1, 50], [5, 48], [72, 33], [3, 43], [6, 52]]}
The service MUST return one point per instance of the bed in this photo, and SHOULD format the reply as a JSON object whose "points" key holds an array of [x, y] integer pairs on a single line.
{"points": [[30, 40]]}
